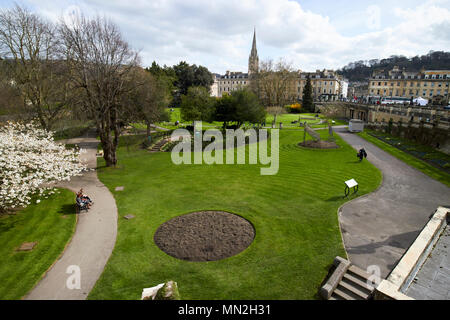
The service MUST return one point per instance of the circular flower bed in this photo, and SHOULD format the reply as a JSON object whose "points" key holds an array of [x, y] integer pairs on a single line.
{"points": [[204, 236]]}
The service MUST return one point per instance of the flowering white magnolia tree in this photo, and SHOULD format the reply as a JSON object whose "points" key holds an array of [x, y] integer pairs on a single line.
{"points": [[30, 162]]}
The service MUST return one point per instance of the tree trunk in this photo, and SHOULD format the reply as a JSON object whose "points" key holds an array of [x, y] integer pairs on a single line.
{"points": [[148, 129]]}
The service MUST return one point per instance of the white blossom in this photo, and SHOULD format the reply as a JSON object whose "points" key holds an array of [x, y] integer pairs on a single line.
{"points": [[30, 161]]}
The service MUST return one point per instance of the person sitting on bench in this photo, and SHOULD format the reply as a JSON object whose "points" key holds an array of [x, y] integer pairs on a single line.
{"points": [[83, 199]]}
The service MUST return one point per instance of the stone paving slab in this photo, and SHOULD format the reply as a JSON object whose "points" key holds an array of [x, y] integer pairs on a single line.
{"points": [[432, 282]]}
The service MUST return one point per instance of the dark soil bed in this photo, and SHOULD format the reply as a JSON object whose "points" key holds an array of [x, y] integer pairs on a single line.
{"points": [[204, 236], [319, 144]]}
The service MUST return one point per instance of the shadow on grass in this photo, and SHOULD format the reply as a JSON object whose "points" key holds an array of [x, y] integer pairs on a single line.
{"points": [[6, 223], [68, 209], [335, 198]]}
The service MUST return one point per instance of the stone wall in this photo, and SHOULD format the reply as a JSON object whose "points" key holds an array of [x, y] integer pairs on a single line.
{"points": [[426, 134]]}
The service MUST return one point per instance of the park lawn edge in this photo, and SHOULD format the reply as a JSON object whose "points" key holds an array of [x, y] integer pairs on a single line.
{"points": [[53, 237], [69, 241], [410, 160]]}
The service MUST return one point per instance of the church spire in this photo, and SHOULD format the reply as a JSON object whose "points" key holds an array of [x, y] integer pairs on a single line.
{"points": [[253, 60], [254, 51]]}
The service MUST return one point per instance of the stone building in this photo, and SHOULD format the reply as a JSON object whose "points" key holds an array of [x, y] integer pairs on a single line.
{"points": [[215, 86], [398, 83], [232, 81], [327, 84]]}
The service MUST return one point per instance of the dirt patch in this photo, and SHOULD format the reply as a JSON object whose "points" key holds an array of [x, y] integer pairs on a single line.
{"points": [[319, 144], [204, 236]]}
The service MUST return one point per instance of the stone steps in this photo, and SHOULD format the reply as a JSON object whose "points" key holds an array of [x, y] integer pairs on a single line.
{"points": [[159, 145], [347, 282]]}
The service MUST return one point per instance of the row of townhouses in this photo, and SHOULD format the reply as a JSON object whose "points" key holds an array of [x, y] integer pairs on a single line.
{"points": [[398, 83]]}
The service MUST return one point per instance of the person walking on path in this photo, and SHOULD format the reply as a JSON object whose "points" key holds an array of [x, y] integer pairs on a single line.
{"points": [[361, 154]]}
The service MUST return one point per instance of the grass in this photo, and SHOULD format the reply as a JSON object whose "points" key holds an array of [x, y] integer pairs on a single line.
{"points": [[286, 119], [44, 223], [411, 160], [294, 214]]}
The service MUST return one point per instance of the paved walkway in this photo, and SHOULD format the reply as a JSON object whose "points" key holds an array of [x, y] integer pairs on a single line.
{"points": [[93, 240], [378, 228]]}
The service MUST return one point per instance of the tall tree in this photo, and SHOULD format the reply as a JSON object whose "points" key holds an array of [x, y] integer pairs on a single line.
{"points": [[190, 76], [100, 64], [165, 75], [248, 108], [239, 107], [197, 105], [307, 99], [225, 109], [30, 45], [148, 98]]}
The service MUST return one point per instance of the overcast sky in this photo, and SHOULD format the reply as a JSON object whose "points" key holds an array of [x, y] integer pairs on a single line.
{"points": [[311, 34]]}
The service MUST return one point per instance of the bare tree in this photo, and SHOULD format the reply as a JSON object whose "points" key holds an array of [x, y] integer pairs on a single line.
{"points": [[275, 111], [11, 102], [100, 64], [29, 46], [147, 98], [276, 83]]}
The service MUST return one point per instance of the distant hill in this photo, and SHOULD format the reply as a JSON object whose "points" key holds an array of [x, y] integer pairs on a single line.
{"points": [[362, 70]]}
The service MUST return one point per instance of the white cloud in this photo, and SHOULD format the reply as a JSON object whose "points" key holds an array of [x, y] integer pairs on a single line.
{"points": [[218, 34], [373, 17]]}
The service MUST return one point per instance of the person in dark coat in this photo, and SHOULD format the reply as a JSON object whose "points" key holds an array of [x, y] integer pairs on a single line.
{"points": [[362, 154]]}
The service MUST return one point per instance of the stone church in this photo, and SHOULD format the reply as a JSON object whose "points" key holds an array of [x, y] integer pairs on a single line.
{"points": [[231, 81]]}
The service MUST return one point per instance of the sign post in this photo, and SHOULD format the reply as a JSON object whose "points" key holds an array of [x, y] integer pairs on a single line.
{"points": [[350, 184]]}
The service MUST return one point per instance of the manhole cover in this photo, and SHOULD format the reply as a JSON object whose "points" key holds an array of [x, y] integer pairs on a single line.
{"points": [[204, 236]]}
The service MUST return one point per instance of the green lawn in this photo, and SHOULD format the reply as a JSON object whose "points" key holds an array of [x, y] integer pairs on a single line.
{"points": [[51, 223], [286, 119], [426, 168], [294, 214]]}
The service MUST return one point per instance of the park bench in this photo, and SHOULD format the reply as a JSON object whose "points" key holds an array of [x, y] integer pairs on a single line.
{"points": [[82, 206]]}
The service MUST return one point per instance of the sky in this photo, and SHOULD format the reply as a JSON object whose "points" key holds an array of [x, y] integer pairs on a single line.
{"points": [[309, 34]]}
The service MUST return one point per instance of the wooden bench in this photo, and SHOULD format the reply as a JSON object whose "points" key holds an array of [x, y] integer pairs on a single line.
{"points": [[82, 206]]}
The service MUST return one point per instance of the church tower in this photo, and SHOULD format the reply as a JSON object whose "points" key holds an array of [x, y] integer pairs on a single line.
{"points": [[253, 60]]}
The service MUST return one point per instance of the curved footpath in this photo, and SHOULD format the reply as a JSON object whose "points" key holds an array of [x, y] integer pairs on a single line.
{"points": [[93, 240], [378, 228]]}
